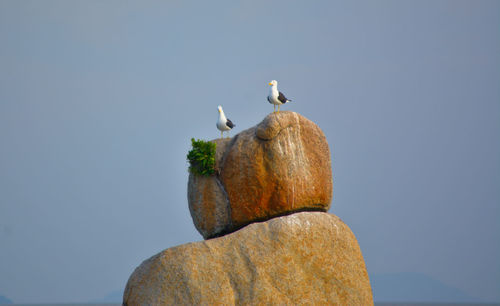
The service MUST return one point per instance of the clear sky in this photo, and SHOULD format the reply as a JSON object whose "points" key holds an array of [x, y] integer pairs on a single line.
{"points": [[99, 100]]}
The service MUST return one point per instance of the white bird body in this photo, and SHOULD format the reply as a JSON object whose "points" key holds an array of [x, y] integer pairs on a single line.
{"points": [[223, 124], [276, 97], [273, 95]]}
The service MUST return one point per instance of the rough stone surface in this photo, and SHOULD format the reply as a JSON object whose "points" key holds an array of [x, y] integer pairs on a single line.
{"points": [[208, 203], [304, 258], [280, 166], [220, 149]]}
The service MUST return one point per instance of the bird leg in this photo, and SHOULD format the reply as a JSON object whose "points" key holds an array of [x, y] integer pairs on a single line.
{"points": [[279, 109], [221, 135], [274, 105]]}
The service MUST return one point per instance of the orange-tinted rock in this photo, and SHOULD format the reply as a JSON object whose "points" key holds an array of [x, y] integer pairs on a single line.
{"points": [[307, 258], [280, 166]]}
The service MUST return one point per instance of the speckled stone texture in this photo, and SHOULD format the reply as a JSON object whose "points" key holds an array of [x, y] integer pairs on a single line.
{"points": [[307, 258], [280, 166], [208, 203]]}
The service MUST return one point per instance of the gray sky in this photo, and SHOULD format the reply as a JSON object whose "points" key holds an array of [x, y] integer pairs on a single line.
{"points": [[99, 100]]}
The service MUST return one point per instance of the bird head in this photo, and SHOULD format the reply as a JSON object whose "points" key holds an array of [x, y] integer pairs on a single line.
{"points": [[273, 83], [219, 108]]}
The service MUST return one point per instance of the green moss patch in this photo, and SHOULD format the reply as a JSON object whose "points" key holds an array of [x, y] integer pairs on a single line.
{"points": [[202, 157]]}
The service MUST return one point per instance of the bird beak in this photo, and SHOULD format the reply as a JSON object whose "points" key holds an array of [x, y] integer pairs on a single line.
{"points": [[271, 84]]}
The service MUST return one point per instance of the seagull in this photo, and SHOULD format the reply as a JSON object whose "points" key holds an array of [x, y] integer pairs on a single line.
{"points": [[276, 97], [223, 124]]}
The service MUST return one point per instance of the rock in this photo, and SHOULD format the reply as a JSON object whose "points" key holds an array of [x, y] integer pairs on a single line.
{"points": [[280, 166], [304, 258], [221, 147], [208, 203]]}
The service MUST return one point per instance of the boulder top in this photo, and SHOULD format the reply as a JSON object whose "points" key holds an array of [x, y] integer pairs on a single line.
{"points": [[280, 166]]}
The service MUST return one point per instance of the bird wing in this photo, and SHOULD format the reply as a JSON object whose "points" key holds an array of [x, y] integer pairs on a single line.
{"points": [[229, 123], [282, 98], [269, 99]]}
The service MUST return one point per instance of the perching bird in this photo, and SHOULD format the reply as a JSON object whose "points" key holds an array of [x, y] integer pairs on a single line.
{"points": [[276, 97], [223, 124]]}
